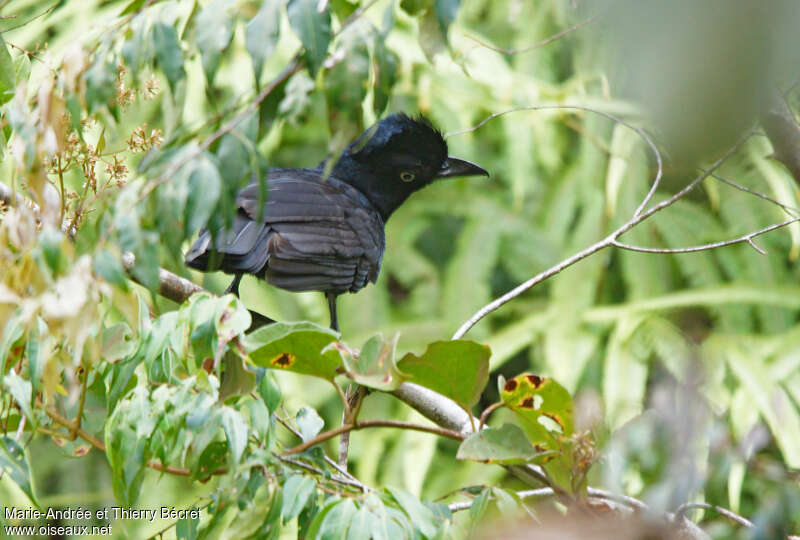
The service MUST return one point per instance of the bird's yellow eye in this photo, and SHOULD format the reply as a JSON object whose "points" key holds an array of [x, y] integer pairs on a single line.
{"points": [[406, 176]]}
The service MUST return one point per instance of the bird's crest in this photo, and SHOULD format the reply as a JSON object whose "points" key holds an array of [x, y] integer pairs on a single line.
{"points": [[399, 132]]}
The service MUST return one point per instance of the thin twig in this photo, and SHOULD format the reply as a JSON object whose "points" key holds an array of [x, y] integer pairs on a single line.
{"points": [[328, 460], [791, 210], [639, 131], [682, 509], [306, 467], [324, 436], [42, 14], [639, 216], [535, 46], [714, 245]]}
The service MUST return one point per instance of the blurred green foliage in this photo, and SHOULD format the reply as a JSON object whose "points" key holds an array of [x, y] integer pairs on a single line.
{"points": [[133, 124]]}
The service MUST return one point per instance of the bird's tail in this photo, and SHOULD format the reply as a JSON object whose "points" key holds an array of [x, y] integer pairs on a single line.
{"points": [[240, 249]]}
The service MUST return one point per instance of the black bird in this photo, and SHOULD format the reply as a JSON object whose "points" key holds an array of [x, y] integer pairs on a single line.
{"points": [[323, 230]]}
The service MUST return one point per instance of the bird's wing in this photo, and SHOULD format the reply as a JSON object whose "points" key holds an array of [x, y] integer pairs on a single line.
{"points": [[310, 234]]}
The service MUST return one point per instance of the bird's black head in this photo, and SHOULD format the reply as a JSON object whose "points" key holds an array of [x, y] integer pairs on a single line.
{"points": [[396, 157]]}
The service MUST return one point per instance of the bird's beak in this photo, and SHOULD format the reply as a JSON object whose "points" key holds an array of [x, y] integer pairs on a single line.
{"points": [[459, 167]]}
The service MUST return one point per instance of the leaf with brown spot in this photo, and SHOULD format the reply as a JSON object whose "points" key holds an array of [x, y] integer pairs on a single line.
{"points": [[297, 347], [544, 410]]}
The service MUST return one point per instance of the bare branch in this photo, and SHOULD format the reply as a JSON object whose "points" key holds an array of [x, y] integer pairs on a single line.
{"points": [[714, 245], [170, 285], [434, 406]]}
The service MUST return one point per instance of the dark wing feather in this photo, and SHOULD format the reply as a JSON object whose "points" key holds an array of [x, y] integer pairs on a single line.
{"points": [[311, 235]]}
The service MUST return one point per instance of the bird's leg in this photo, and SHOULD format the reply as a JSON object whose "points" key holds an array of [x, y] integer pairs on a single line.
{"points": [[234, 286], [331, 296]]}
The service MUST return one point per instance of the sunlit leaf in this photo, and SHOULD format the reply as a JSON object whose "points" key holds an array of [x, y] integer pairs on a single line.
{"points": [[7, 82], [457, 369]]}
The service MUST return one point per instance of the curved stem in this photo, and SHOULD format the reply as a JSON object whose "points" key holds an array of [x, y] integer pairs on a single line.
{"points": [[322, 437], [705, 247]]}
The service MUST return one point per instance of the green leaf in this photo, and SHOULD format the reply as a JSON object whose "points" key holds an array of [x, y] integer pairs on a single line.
{"points": [[297, 347], [269, 391], [457, 369], [374, 366], [314, 30], [12, 332], [132, 7], [420, 515], [335, 522], [309, 423], [138, 50], [7, 82], [236, 431], [296, 492], [168, 53], [414, 7], [545, 412], [117, 342], [205, 185], [100, 83], [506, 445], [236, 379], [479, 506], [384, 65], [186, 528], [22, 392], [108, 266], [431, 38], [214, 32], [14, 465], [446, 11], [262, 33], [346, 83], [38, 350]]}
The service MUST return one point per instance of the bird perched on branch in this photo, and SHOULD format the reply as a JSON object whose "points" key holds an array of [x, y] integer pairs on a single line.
{"points": [[322, 229]]}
